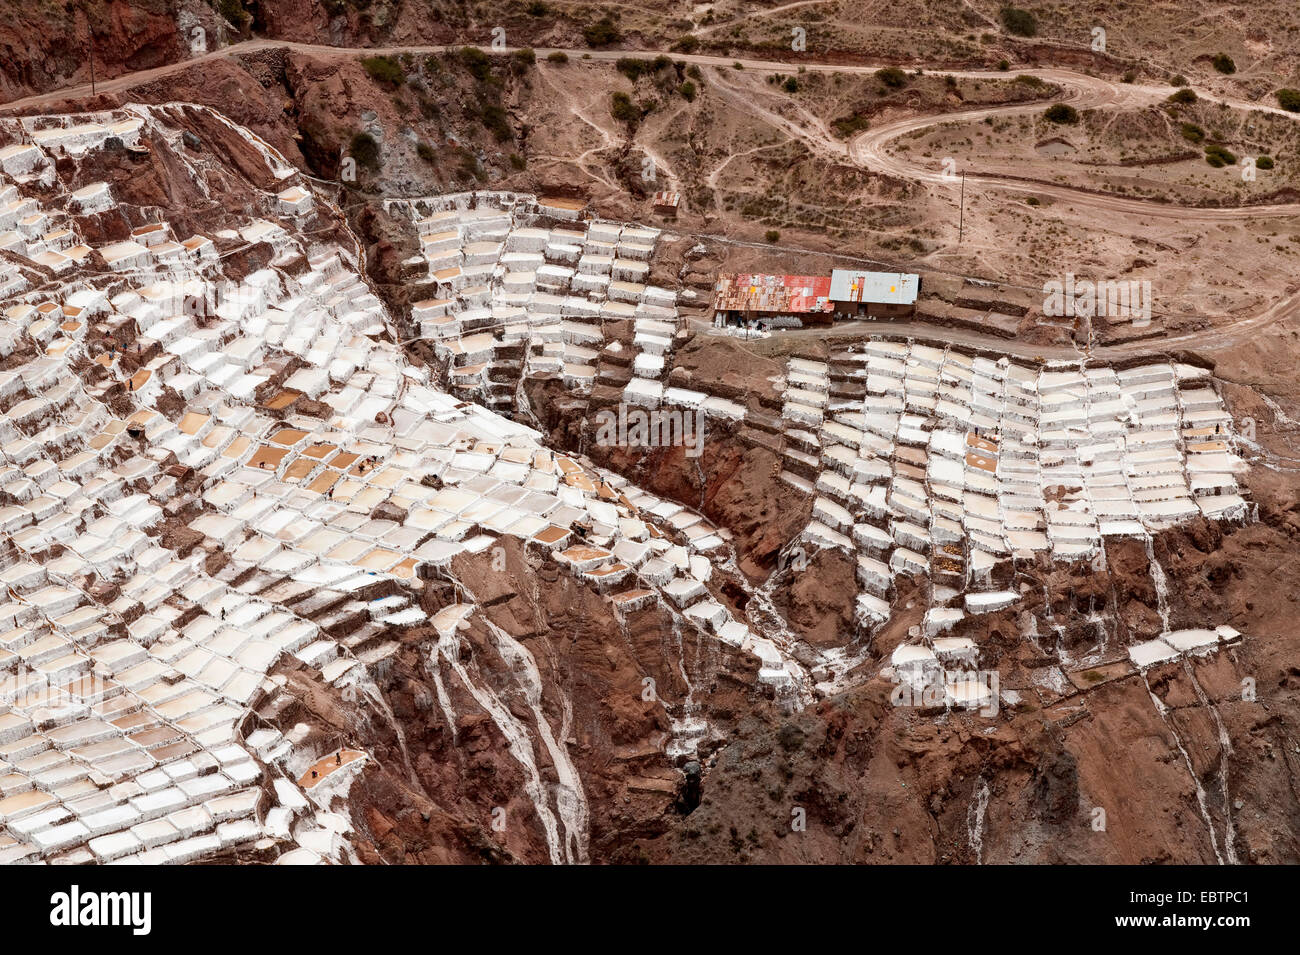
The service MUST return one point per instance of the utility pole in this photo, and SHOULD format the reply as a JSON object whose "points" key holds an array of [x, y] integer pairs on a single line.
{"points": [[961, 214]]}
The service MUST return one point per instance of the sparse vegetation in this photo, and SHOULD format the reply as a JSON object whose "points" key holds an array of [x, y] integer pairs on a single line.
{"points": [[1018, 22], [558, 57], [234, 13], [1062, 114], [623, 109], [687, 91], [772, 235], [496, 121], [602, 32], [537, 9], [1184, 97], [846, 126], [1289, 100], [469, 166], [1192, 132], [1223, 63], [1264, 162], [365, 150], [791, 85], [1178, 80], [477, 62], [1218, 157], [688, 43], [633, 67], [892, 77], [384, 69]]}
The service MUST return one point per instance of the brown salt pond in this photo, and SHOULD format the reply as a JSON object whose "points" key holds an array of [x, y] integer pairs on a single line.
{"points": [[284, 399], [267, 456], [299, 469], [192, 422], [324, 481], [559, 202], [288, 436]]}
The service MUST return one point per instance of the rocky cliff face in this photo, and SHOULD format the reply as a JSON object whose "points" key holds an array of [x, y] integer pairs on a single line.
{"points": [[47, 46], [1132, 769]]}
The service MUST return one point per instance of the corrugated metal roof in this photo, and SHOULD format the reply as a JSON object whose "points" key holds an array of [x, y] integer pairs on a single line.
{"points": [[882, 288], [667, 198], [773, 293]]}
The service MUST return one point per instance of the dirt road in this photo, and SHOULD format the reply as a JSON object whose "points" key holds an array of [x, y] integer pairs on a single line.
{"points": [[868, 149]]}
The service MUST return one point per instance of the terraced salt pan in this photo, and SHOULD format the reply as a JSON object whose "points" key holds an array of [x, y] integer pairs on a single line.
{"points": [[926, 460], [124, 742]]}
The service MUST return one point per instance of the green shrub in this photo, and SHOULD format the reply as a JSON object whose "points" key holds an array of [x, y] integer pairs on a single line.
{"points": [[1289, 100], [1128, 77], [771, 235], [1004, 65], [1218, 157], [687, 90], [384, 69], [1178, 80], [633, 67], [424, 151], [525, 57], [518, 162], [688, 43], [1264, 162], [1223, 63], [469, 166], [1018, 22], [892, 77], [1192, 132], [365, 150], [557, 56], [477, 62], [602, 32], [791, 85], [846, 126], [1183, 97], [496, 121], [537, 9], [623, 109], [1061, 113], [234, 13]]}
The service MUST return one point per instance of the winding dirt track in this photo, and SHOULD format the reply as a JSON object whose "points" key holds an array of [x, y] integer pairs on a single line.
{"points": [[1083, 92], [869, 150]]}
